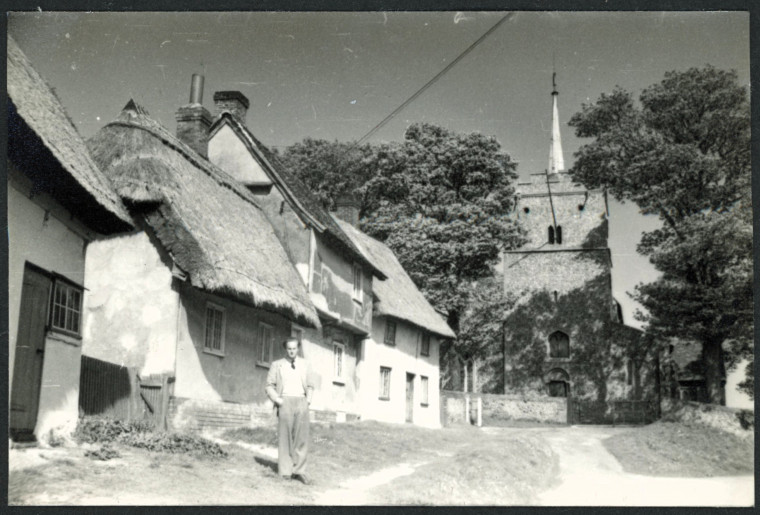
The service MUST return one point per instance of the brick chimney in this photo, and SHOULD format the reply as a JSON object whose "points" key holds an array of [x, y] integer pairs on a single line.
{"points": [[347, 209], [233, 102], [194, 120]]}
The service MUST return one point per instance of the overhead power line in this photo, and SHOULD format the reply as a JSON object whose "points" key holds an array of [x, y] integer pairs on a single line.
{"points": [[431, 81]]}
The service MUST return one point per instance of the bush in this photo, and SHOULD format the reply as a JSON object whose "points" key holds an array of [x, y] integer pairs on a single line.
{"points": [[105, 453], [746, 419], [140, 434]]}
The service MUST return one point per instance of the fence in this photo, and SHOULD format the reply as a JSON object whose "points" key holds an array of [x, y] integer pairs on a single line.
{"points": [[112, 391]]}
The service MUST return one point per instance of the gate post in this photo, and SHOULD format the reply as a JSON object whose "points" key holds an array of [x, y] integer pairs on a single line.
{"points": [[467, 417], [480, 411]]}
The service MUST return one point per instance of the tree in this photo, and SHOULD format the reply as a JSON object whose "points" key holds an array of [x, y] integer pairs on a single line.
{"points": [[683, 153], [440, 200]]}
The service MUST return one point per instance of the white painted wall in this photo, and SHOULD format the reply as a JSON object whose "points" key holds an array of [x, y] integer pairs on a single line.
{"points": [[56, 244], [131, 309], [229, 153], [402, 358]]}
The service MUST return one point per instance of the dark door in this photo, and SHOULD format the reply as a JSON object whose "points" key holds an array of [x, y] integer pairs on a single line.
{"points": [[409, 397], [30, 350]]}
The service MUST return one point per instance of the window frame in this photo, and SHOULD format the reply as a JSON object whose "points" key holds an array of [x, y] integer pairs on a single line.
{"points": [[569, 351], [358, 283], [425, 391], [339, 373], [383, 394], [68, 286], [260, 361], [211, 350], [388, 324], [424, 337]]}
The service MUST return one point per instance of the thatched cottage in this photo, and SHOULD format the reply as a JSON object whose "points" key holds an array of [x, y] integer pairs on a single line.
{"points": [[197, 300], [338, 276], [58, 204], [399, 369]]}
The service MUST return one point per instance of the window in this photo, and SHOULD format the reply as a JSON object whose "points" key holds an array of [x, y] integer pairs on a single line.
{"points": [[631, 372], [390, 332], [551, 235], [559, 345], [425, 344], [559, 234], [557, 389], [424, 383], [214, 341], [338, 354], [266, 343], [357, 272], [66, 314], [385, 383]]}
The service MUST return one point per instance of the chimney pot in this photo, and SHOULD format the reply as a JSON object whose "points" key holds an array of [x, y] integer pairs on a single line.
{"points": [[194, 120], [196, 89]]}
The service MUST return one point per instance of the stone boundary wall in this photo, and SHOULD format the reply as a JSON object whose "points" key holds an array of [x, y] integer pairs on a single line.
{"points": [[718, 417], [197, 415], [499, 408]]}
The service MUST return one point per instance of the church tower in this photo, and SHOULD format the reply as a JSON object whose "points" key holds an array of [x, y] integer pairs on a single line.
{"points": [[565, 337]]}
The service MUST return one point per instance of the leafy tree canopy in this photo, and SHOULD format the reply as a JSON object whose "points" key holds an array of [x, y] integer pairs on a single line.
{"points": [[440, 200], [683, 153]]}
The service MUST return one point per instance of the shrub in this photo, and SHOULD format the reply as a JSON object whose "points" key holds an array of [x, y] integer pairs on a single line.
{"points": [[104, 453], [746, 419], [140, 434]]}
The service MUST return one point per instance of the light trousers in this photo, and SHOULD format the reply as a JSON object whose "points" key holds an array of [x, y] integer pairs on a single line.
{"points": [[293, 432]]}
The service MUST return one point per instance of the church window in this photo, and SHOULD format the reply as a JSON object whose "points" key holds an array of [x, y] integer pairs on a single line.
{"points": [[559, 234], [551, 235], [559, 345]]}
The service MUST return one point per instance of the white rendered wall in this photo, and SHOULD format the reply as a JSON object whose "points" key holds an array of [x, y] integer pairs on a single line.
{"points": [[402, 358]]}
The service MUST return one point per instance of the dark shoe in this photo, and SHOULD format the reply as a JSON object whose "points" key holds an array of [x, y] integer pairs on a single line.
{"points": [[303, 479]]}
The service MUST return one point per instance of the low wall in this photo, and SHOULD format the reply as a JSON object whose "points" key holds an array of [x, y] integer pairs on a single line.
{"points": [[710, 415], [196, 415], [499, 408]]}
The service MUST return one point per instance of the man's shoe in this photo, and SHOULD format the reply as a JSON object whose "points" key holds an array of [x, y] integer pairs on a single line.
{"points": [[302, 478]]}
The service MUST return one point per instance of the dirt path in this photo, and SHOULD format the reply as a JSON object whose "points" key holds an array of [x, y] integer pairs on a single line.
{"points": [[591, 476], [357, 491]]}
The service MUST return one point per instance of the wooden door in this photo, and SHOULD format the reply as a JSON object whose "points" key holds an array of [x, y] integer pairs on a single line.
{"points": [[409, 397], [30, 351]]}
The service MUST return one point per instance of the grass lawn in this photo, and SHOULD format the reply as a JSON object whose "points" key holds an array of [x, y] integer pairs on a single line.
{"points": [[677, 449], [458, 465]]}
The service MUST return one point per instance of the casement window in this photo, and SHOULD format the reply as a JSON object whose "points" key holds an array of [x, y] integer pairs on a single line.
{"points": [[358, 291], [339, 351], [424, 383], [390, 332], [266, 344], [214, 331], [559, 345], [425, 344], [385, 383], [66, 312]]}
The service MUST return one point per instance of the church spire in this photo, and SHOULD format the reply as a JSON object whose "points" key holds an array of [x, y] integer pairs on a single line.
{"points": [[556, 161]]}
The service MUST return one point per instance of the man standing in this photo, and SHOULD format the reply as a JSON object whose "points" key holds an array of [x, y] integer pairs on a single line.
{"points": [[290, 387]]}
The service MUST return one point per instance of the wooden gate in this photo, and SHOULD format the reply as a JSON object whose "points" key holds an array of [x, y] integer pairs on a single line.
{"points": [[112, 391]]}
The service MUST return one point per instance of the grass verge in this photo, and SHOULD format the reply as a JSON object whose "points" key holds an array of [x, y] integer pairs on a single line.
{"points": [[677, 449]]}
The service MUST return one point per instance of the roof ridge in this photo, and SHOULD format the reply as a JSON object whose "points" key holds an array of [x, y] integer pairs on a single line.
{"points": [[208, 168]]}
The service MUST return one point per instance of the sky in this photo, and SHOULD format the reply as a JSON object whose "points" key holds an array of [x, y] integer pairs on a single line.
{"points": [[336, 75]]}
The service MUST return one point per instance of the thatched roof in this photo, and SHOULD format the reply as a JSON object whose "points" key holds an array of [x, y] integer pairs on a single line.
{"points": [[46, 146], [300, 197], [210, 224], [397, 296]]}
